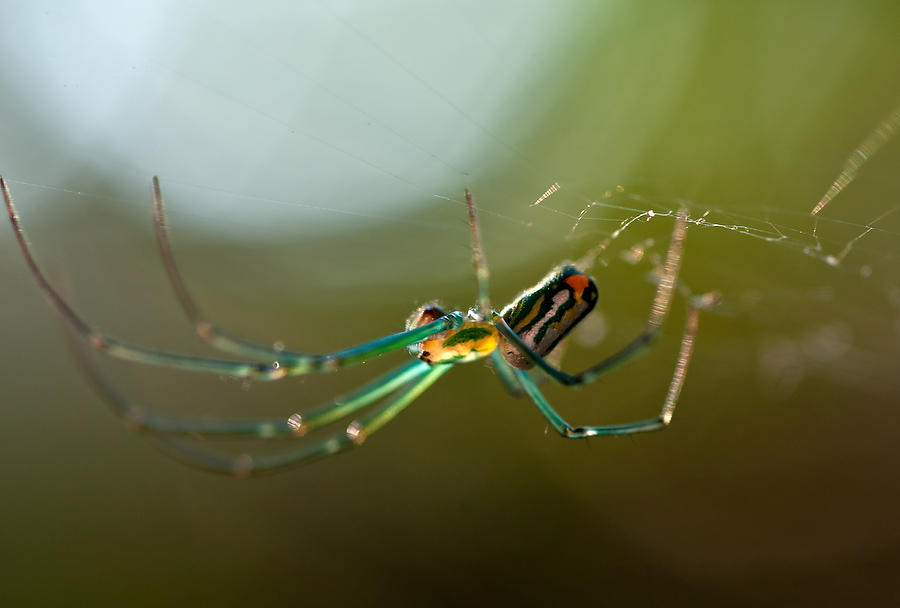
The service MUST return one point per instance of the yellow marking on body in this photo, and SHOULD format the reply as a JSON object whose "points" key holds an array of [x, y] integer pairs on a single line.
{"points": [[530, 316], [453, 345]]}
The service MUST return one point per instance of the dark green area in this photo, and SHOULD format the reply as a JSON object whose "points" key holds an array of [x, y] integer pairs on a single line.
{"points": [[469, 334]]}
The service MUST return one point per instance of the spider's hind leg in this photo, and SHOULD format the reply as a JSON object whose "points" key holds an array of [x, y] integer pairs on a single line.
{"points": [[661, 421], [659, 310]]}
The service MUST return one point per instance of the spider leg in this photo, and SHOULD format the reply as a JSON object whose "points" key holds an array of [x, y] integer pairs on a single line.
{"points": [[482, 274], [653, 424], [287, 364], [145, 419], [179, 437], [504, 371], [203, 327], [246, 465], [659, 309]]}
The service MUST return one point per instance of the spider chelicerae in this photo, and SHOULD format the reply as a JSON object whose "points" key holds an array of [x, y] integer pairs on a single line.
{"points": [[518, 338]]}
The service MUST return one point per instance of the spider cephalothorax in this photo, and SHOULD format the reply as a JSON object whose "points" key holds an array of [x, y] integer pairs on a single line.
{"points": [[472, 340]]}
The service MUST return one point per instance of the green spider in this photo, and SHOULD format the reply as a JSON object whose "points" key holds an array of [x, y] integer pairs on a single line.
{"points": [[516, 339]]}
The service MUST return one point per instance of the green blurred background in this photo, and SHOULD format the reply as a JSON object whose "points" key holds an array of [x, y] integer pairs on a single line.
{"points": [[313, 158]]}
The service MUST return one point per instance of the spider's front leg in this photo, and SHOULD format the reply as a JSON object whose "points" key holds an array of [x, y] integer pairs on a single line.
{"points": [[181, 437], [278, 364]]}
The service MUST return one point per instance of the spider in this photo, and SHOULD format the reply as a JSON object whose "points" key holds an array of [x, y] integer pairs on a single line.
{"points": [[518, 338]]}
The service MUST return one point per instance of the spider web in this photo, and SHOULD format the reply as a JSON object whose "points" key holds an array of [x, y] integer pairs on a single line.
{"points": [[821, 344]]}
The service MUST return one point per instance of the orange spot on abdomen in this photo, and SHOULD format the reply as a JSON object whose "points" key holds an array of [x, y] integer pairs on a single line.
{"points": [[578, 282]]}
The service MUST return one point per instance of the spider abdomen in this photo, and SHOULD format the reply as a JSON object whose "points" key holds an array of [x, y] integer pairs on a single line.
{"points": [[543, 315]]}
